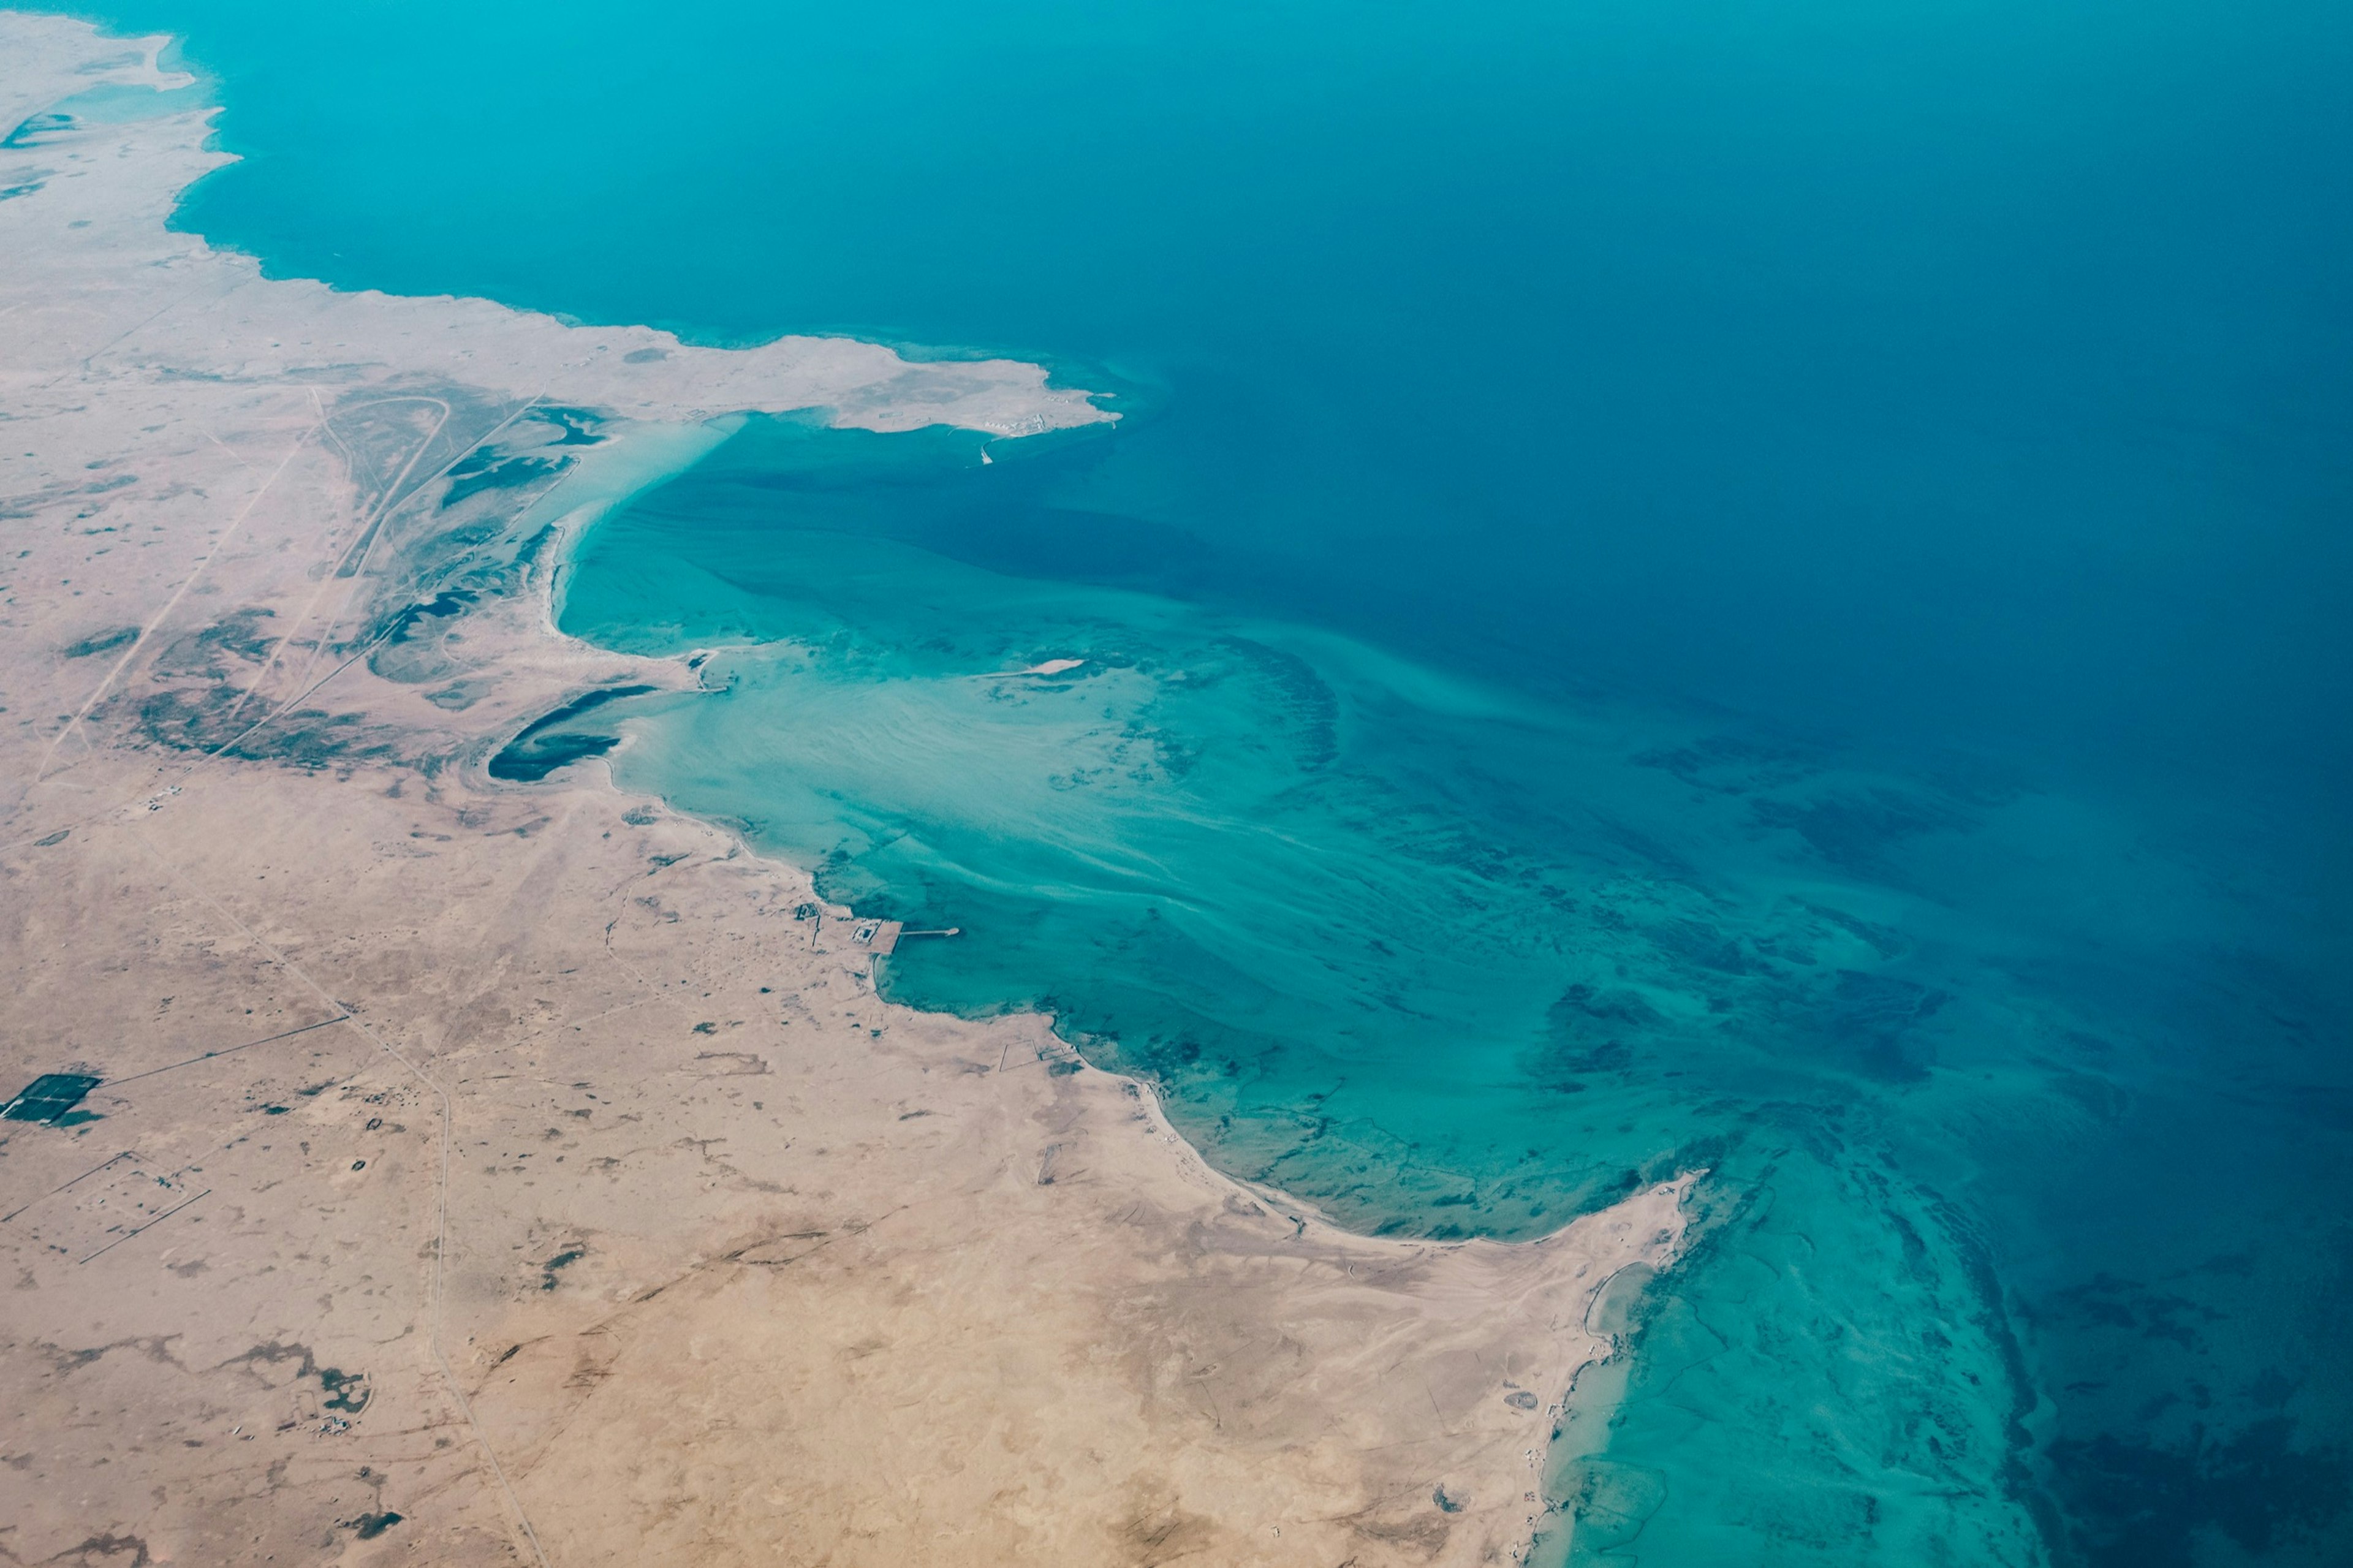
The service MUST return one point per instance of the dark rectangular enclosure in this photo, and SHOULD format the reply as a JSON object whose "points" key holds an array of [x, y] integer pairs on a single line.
{"points": [[48, 1096]]}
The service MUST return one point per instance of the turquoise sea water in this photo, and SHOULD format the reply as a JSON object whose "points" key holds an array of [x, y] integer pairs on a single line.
{"points": [[1756, 587]]}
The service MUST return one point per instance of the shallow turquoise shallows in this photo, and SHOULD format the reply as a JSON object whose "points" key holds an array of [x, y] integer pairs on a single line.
{"points": [[1731, 585]]}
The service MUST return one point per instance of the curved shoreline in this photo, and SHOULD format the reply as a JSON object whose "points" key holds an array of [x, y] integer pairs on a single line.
{"points": [[1165, 1353], [576, 518]]}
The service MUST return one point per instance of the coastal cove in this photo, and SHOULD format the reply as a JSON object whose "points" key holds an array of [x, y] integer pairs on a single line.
{"points": [[345, 513], [1442, 959], [1654, 604]]}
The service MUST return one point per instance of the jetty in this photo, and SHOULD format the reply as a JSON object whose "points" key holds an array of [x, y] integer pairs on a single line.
{"points": [[884, 936]]}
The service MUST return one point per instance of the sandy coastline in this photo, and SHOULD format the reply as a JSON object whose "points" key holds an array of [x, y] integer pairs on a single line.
{"points": [[483, 1173]]}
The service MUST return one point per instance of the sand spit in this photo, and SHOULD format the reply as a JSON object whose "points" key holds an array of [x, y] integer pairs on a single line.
{"points": [[490, 1174]]}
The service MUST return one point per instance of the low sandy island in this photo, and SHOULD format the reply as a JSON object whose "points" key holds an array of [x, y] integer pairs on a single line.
{"points": [[486, 1172]]}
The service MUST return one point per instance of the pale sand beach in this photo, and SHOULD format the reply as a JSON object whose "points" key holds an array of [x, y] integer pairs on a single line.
{"points": [[483, 1173]]}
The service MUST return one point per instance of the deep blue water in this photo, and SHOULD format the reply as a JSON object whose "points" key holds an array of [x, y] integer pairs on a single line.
{"points": [[1757, 585]]}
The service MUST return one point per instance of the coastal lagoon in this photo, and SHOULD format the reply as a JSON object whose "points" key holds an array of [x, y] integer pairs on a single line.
{"points": [[1675, 588]]}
